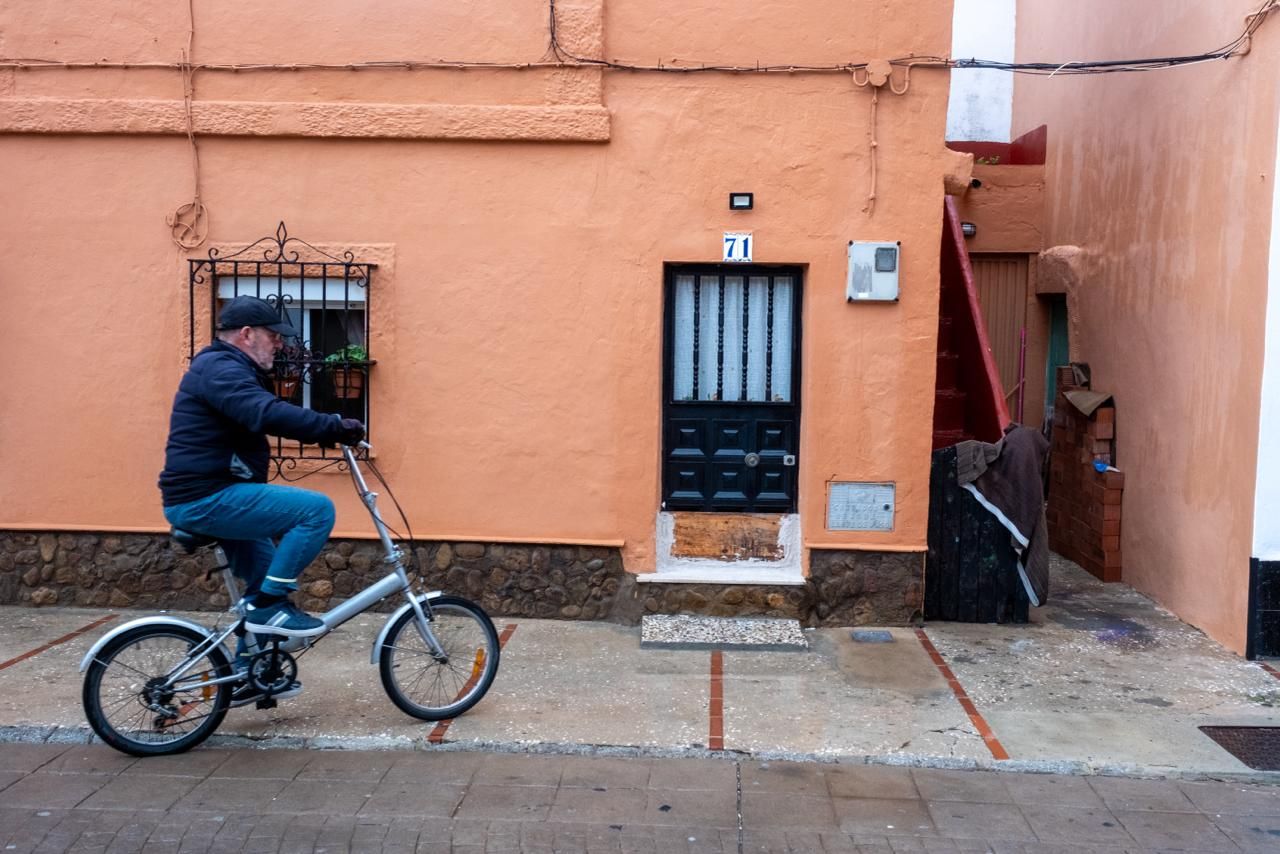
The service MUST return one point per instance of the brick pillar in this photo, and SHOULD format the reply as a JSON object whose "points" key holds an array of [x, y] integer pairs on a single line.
{"points": [[1084, 504]]}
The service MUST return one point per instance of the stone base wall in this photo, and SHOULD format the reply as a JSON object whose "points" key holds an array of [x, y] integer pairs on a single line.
{"points": [[514, 580], [845, 588]]}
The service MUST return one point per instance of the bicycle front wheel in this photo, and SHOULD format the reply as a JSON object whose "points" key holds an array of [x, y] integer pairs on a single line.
{"points": [[433, 687], [136, 705]]}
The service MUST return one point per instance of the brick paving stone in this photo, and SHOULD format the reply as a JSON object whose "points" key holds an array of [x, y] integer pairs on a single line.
{"points": [[51, 791], [128, 792], [504, 769], [88, 759], [1054, 790], [1122, 793], [897, 844], [693, 774], [8, 778], [320, 796], [599, 805], [714, 808], [1174, 830], [870, 781], [765, 842], [1251, 833], [354, 765], [506, 803], [28, 757], [263, 764], [230, 794], [772, 809], [610, 772], [941, 845], [409, 799], [987, 787], [959, 819], [452, 768], [1233, 798], [194, 763], [1083, 825], [792, 778], [886, 817]]}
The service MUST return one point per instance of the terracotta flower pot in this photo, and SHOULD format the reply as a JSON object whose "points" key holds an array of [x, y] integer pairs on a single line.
{"points": [[286, 387], [348, 382]]}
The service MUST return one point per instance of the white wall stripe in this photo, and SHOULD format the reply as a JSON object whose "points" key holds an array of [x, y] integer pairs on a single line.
{"points": [[980, 106], [1266, 502]]}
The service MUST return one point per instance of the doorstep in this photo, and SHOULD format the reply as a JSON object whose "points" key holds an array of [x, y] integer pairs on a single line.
{"points": [[694, 568], [718, 572]]}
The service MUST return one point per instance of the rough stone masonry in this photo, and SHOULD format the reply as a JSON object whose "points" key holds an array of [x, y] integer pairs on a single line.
{"points": [[519, 580]]}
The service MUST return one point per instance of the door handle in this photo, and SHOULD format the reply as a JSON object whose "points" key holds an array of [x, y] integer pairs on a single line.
{"points": [[751, 460]]}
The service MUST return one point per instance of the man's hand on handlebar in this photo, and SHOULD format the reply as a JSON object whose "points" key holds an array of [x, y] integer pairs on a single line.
{"points": [[351, 432]]}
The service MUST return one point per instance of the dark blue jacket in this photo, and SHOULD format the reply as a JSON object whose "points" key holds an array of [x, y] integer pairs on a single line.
{"points": [[222, 413]]}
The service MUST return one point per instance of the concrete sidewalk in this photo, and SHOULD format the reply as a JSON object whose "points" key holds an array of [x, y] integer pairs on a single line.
{"points": [[1100, 681]]}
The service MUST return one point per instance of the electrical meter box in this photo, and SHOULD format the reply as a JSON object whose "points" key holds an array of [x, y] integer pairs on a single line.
{"points": [[873, 271]]}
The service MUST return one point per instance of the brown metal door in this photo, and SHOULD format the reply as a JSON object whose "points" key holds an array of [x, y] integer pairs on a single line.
{"points": [[1002, 295]]}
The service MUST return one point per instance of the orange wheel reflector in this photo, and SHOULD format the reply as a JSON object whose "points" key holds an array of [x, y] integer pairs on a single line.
{"points": [[478, 667]]}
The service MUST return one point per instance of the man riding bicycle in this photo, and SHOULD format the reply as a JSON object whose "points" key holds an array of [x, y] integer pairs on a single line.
{"points": [[216, 461]]}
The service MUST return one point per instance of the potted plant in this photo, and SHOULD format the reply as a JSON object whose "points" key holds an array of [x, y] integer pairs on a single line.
{"points": [[292, 362], [346, 368]]}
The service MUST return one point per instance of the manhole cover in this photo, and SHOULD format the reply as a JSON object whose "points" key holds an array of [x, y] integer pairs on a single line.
{"points": [[1255, 746]]}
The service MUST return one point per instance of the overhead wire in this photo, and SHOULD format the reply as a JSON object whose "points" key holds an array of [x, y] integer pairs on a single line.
{"points": [[558, 56]]}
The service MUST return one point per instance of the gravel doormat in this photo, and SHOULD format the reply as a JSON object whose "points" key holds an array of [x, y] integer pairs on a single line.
{"points": [[661, 631], [1255, 746]]}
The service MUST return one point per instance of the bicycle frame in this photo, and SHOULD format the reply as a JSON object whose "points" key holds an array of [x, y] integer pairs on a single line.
{"points": [[396, 581]]}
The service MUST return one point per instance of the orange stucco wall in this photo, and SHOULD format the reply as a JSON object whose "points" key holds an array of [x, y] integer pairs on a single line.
{"points": [[1165, 179], [522, 219], [1008, 209]]}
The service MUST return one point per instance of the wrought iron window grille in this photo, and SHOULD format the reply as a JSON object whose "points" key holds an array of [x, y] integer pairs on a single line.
{"points": [[326, 298]]}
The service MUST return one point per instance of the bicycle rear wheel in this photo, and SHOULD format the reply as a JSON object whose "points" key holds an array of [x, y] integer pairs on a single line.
{"points": [[134, 706], [431, 688]]}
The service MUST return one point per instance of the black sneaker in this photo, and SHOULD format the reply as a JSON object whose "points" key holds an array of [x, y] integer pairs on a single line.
{"points": [[282, 618], [243, 694]]}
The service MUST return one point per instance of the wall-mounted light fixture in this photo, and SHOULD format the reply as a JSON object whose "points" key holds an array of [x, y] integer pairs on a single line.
{"points": [[742, 201], [968, 229]]}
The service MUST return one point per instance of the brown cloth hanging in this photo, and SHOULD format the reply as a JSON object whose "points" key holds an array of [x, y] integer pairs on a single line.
{"points": [[1006, 478]]}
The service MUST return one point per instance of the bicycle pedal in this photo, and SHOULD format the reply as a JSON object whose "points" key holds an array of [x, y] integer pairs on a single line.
{"points": [[266, 703]]}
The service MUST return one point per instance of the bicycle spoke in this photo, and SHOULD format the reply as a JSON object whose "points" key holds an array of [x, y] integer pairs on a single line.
{"points": [[134, 708]]}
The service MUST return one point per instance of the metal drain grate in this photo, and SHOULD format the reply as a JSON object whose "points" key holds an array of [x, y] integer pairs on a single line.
{"points": [[1255, 746]]}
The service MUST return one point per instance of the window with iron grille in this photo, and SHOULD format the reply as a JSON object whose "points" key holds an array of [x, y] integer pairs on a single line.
{"points": [[326, 298]]}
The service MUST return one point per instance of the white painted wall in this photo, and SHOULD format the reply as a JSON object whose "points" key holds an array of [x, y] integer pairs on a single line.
{"points": [[981, 104], [1266, 501]]}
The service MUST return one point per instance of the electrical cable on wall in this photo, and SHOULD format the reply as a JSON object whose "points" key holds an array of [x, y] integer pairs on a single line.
{"points": [[877, 75], [560, 58], [189, 224]]}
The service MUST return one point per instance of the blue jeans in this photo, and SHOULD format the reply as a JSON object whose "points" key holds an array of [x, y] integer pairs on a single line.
{"points": [[249, 519]]}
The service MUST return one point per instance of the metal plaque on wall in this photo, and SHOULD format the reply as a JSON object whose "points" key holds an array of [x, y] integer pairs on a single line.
{"points": [[860, 507]]}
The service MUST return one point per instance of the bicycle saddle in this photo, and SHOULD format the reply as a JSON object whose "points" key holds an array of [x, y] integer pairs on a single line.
{"points": [[188, 541]]}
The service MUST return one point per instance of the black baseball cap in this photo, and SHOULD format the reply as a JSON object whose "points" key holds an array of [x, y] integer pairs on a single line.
{"points": [[250, 311]]}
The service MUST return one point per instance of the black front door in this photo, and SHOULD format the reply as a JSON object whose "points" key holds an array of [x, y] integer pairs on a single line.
{"points": [[731, 384]]}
